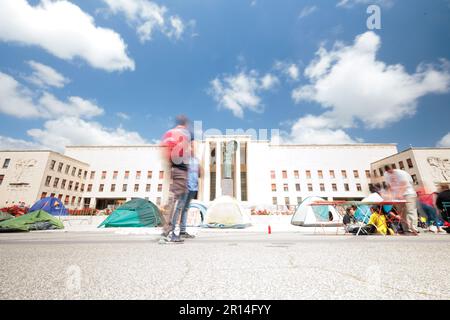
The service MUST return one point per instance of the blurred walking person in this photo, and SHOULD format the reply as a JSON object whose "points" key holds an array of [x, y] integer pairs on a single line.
{"points": [[176, 151], [401, 185]]}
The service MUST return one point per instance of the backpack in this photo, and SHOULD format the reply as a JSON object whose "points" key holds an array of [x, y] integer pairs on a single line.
{"points": [[176, 143]]}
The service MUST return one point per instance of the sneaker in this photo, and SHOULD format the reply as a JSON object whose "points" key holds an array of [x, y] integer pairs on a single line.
{"points": [[171, 240], [186, 235]]}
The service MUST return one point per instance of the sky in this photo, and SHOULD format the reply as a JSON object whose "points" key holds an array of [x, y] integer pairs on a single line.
{"points": [[117, 72]]}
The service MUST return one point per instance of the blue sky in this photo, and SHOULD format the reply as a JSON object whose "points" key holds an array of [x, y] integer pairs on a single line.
{"points": [[117, 71]]}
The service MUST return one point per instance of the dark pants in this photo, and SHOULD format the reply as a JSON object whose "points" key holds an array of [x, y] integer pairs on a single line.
{"points": [[177, 198], [190, 196]]}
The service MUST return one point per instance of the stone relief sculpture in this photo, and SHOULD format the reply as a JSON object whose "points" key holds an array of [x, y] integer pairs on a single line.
{"points": [[440, 168], [23, 169]]}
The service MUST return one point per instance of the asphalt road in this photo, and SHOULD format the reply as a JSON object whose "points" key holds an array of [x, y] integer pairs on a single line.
{"points": [[223, 265]]}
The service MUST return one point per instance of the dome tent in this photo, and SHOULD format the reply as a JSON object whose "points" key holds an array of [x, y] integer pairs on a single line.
{"points": [[315, 216], [37, 220], [226, 212], [51, 205], [136, 213], [196, 213]]}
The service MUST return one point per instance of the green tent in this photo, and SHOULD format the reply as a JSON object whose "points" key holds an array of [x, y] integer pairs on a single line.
{"points": [[137, 213], [37, 220], [5, 216]]}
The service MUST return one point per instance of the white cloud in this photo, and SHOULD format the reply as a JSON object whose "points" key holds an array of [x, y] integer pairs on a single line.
{"points": [[241, 91], [8, 143], [64, 30], [45, 76], [352, 85], [123, 115], [147, 17], [317, 130], [445, 141], [308, 10], [19, 101], [289, 69], [66, 131]]}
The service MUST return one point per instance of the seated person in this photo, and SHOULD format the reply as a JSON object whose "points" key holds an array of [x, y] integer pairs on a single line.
{"points": [[443, 196], [349, 220], [378, 223]]}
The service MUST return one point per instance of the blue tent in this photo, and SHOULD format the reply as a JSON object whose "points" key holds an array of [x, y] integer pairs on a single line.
{"points": [[53, 206]]}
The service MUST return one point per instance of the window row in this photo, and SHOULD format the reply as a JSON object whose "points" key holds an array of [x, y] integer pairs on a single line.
{"points": [[71, 185], [68, 169], [311, 188], [320, 174], [401, 166], [126, 175], [114, 188]]}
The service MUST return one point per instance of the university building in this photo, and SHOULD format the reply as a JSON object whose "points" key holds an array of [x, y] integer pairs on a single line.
{"points": [[255, 172]]}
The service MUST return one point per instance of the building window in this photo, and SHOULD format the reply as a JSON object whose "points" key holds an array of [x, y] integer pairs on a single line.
{"points": [[158, 201], [55, 183], [136, 188], [415, 180], [368, 174], [82, 187], [92, 175], [358, 187], [161, 175], [284, 174], [80, 172], [310, 187], [344, 174], [127, 175], [113, 188], [149, 174], [160, 187], [66, 200], [401, 165], [124, 188], [85, 175], [274, 187], [297, 187], [43, 195], [77, 186], [74, 170], [73, 200], [272, 175], [148, 187], [274, 201], [52, 195], [322, 187], [381, 171], [320, 174], [138, 175], [375, 173], [299, 200], [356, 174], [6, 163], [332, 174], [67, 169], [60, 196], [103, 175], [70, 185], [394, 166], [286, 201], [285, 187], [334, 186], [89, 188], [410, 163], [296, 174], [2, 177], [346, 187], [52, 165], [101, 188], [47, 181], [308, 174], [115, 174], [60, 166]]}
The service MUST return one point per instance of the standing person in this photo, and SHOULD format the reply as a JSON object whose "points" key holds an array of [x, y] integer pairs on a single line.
{"points": [[443, 197], [194, 173], [426, 205], [402, 187], [176, 151]]}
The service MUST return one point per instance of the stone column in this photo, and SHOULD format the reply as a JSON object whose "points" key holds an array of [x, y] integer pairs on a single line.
{"points": [[237, 171], [206, 174], [218, 169]]}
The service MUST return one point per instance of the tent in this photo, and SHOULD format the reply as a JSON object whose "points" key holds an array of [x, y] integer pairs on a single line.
{"points": [[51, 205], [226, 212], [37, 220], [5, 216], [363, 213], [315, 216], [196, 213], [137, 213]]}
